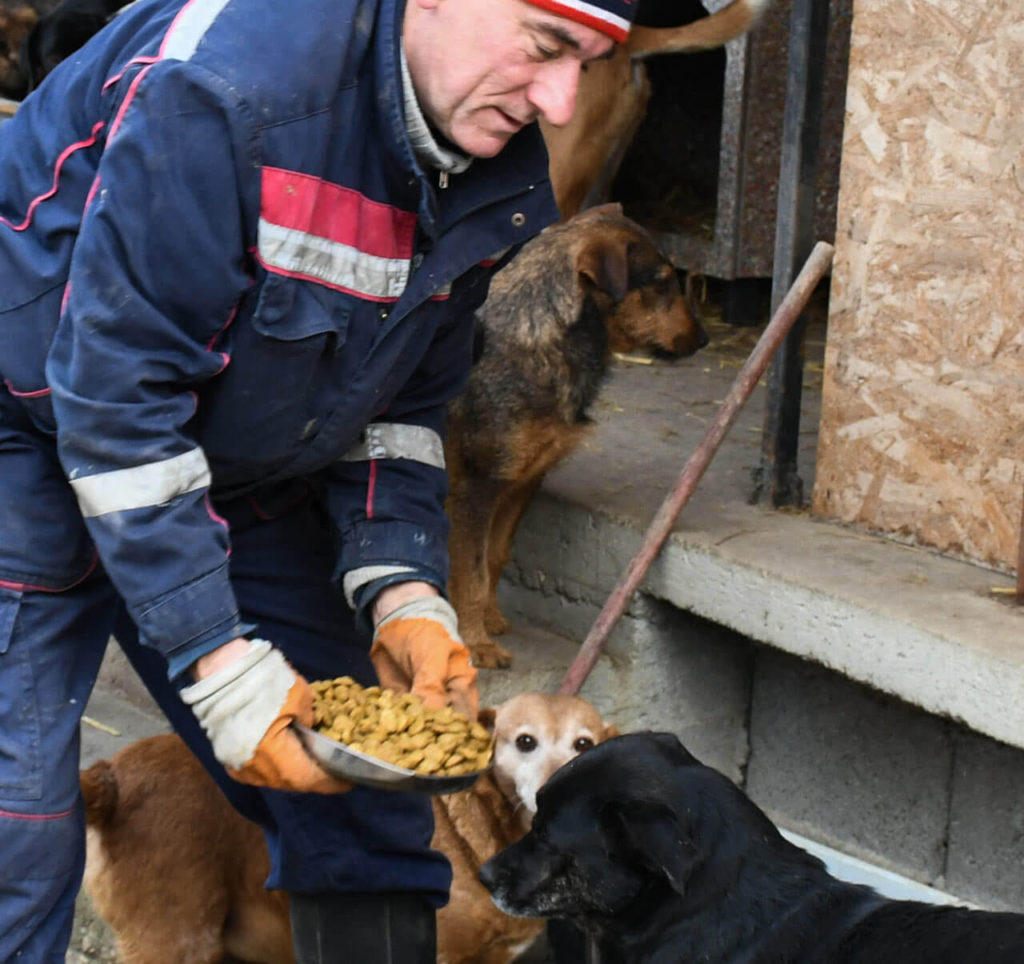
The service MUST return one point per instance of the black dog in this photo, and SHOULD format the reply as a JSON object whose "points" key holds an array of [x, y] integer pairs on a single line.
{"points": [[58, 34], [663, 859]]}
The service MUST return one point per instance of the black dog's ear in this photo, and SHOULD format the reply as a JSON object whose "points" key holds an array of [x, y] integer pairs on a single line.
{"points": [[659, 841], [605, 265]]}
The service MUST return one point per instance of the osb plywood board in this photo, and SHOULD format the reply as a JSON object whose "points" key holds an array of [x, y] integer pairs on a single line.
{"points": [[922, 431]]}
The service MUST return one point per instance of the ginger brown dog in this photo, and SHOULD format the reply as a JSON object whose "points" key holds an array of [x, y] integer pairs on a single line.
{"points": [[174, 870], [612, 101], [574, 294], [178, 874]]}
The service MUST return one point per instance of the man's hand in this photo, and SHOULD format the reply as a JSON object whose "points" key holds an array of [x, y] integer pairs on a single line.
{"points": [[416, 647], [245, 699]]}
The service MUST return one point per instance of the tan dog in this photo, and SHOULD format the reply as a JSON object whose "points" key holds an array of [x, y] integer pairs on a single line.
{"points": [[612, 100], [535, 734], [178, 874], [580, 290]]}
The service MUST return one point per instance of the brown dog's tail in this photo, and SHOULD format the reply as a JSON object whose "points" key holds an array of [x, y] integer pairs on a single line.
{"points": [[99, 790], [705, 34]]}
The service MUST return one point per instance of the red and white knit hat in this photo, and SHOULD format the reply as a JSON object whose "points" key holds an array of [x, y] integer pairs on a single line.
{"points": [[611, 17]]}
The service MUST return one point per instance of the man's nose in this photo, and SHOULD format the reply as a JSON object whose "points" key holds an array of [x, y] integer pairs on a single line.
{"points": [[553, 91]]}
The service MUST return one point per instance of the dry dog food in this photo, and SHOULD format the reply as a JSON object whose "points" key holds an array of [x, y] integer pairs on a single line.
{"points": [[399, 729]]}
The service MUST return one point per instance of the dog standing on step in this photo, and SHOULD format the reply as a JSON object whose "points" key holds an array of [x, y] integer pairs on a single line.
{"points": [[574, 294], [178, 874]]}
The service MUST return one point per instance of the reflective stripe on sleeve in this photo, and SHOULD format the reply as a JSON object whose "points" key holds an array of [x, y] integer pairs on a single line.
{"points": [[189, 28], [394, 440], [144, 485]]}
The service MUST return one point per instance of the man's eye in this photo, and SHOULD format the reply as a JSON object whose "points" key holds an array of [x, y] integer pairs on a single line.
{"points": [[546, 53]]}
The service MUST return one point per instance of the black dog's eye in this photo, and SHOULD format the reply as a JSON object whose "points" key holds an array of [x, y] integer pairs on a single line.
{"points": [[583, 743], [525, 743]]}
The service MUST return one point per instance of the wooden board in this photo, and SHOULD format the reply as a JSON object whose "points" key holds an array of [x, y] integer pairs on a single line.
{"points": [[922, 431]]}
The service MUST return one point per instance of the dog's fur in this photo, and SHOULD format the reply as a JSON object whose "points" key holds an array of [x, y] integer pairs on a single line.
{"points": [[172, 867], [577, 292], [178, 874], [535, 734], [16, 22], [663, 859], [612, 101], [60, 33]]}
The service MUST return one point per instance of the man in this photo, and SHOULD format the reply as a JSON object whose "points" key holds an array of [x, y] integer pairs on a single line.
{"points": [[241, 243]]}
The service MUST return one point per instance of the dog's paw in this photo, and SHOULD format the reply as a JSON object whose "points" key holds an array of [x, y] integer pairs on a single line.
{"points": [[487, 654], [495, 622]]}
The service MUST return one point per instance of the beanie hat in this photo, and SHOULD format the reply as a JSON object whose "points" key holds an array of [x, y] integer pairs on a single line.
{"points": [[611, 17]]}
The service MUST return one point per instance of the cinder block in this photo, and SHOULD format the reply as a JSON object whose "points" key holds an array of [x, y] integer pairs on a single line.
{"points": [[690, 677], [986, 831], [845, 765]]}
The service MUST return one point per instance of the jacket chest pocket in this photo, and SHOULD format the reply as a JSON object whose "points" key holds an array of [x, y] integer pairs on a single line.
{"points": [[288, 361]]}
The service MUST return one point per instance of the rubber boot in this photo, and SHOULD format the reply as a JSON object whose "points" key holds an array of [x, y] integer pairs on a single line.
{"points": [[399, 928]]}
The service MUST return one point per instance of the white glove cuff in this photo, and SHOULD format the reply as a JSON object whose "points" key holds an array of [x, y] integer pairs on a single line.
{"points": [[237, 704], [426, 607]]}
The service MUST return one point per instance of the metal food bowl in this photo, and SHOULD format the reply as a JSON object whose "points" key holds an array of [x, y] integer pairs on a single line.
{"points": [[354, 767]]}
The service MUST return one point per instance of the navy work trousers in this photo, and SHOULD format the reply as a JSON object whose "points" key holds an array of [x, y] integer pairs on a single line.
{"points": [[51, 646]]}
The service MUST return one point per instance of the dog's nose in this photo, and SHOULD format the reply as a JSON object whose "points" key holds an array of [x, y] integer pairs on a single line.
{"points": [[692, 341]]}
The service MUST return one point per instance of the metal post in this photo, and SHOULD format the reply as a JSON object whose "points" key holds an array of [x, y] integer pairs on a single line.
{"points": [[777, 481], [664, 519]]}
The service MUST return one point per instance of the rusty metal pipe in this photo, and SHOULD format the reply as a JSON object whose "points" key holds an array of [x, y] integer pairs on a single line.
{"points": [[658, 531]]}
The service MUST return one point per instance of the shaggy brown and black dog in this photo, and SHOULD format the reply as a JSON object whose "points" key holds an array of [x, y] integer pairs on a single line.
{"points": [[577, 292]]}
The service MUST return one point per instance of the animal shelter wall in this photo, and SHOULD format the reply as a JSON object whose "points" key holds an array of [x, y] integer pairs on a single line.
{"points": [[923, 398]]}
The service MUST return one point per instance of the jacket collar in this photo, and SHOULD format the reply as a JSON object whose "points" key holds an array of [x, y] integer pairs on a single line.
{"points": [[424, 145]]}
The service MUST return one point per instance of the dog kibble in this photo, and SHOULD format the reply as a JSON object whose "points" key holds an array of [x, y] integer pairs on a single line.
{"points": [[397, 728]]}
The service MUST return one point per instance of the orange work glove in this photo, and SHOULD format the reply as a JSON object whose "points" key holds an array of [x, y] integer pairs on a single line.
{"points": [[417, 647], [246, 709]]}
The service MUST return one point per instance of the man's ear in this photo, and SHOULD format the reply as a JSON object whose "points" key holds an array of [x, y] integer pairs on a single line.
{"points": [[656, 838]]}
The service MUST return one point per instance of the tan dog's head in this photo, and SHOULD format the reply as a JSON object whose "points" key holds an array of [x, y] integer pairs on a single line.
{"points": [[535, 734], [619, 264]]}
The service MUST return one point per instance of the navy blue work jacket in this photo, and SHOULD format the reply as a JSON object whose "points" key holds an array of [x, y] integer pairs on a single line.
{"points": [[221, 263]]}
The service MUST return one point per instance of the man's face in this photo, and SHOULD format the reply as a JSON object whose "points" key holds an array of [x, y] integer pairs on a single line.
{"points": [[483, 69]]}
